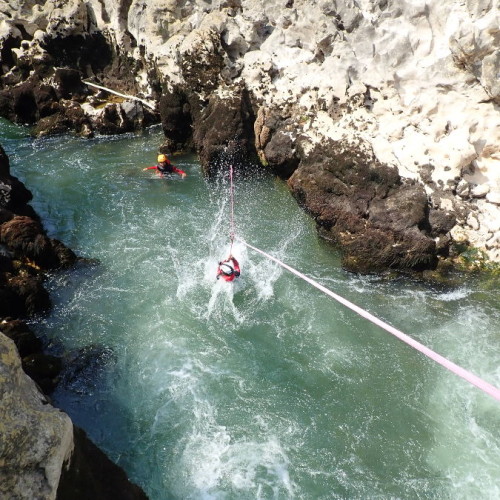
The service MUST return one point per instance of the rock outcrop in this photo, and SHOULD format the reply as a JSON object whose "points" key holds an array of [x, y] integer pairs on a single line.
{"points": [[47, 51], [37, 439], [42, 455], [25, 250], [379, 220], [414, 82]]}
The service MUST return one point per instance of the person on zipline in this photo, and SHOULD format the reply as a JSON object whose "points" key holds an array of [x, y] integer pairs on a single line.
{"points": [[164, 166], [229, 269]]}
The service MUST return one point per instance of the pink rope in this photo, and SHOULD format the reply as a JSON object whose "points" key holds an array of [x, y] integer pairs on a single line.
{"points": [[231, 233], [457, 370]]}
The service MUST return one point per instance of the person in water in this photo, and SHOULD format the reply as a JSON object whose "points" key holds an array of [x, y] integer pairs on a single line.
{"points": [[229, 269], [164, 166]]}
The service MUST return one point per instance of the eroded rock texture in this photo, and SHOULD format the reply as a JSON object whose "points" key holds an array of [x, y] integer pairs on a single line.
{"points": [[414, 82], [25, 250], [42, 455], [379, 220], [36, 438]]}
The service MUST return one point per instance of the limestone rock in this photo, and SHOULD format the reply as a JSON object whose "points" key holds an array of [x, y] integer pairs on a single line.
{"points": [[493, 197], [392, 75], [366, 209], [229, 140], [36, 438], [176, 120], [480, 191]]}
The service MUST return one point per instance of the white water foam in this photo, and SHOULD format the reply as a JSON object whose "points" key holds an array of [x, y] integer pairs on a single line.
{"points": [[217, 463]]}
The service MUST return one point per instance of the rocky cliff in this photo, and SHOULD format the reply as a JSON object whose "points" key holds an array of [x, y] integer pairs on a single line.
{"points": [[42, 455], [36, 438], [409, 86]]}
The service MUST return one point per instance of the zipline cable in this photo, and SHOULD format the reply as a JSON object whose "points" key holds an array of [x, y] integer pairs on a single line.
{"points": [[457, 370]]}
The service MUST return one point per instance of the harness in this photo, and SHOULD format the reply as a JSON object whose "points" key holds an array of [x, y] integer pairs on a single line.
{"points": [[226, 269]]}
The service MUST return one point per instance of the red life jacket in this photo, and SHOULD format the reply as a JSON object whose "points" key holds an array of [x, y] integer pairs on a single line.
{"points": [[228, 269]]}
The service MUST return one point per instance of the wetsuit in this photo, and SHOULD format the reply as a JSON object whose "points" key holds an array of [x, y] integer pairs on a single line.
{"points": [[166, 168], [230, 270]]}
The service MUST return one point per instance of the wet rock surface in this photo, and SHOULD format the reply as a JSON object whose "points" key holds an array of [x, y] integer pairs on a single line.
{"points": [[43, 455], [223, 133], [378, 220], [37, 439], [25, 250], [42, 80]]}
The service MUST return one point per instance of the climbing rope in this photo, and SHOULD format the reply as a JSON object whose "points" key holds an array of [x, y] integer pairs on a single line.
{"points": [[457, 370], [231, 229]]}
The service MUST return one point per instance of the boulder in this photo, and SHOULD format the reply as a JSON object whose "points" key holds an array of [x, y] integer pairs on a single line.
{"points": [[29, 290], [378, 220], [36, 438], [223, 132], [13, 194], [26, 237]]}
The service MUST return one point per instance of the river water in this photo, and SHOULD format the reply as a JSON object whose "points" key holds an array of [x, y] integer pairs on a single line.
{"points": [[262, 390]]}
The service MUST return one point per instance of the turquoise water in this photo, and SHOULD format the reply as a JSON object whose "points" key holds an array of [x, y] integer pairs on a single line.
{"points": [[262, 390]]}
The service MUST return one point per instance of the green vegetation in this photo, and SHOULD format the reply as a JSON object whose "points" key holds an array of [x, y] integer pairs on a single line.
{"points": [[475, 259]]}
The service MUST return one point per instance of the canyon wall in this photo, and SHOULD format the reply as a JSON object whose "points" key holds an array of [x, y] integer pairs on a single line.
{"points": [[410, 85]]}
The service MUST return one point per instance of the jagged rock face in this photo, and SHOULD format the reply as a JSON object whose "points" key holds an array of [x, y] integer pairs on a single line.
{"points": [[13, 193], [230, 140], [379, 220], [275, 141], [43, 368], [46, 51], [42, 455], [25, 250], [36, 438], [415, 82], [175, 112]]}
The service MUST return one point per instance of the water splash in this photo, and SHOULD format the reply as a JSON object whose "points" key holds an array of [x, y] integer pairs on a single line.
{"points": [[260, 389]]}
